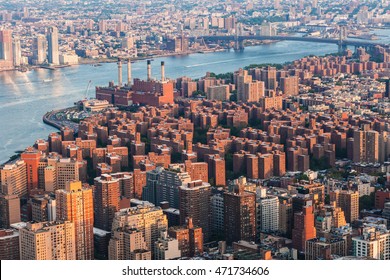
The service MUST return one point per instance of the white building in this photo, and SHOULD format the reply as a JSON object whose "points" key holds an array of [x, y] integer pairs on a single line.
{"points": [[95, 105], [373, 243], [267, 211], [166, 248], [17, 52], [69, 59]]}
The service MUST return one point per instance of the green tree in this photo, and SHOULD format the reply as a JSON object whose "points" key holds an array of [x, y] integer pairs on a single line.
{"points": [[318, 164], [233, 96], [302, 177], [200, 135], [176, 157], [327, 199], [198, 93], [367, 202]]}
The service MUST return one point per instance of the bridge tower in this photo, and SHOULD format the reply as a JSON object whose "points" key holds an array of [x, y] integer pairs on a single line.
{"points": [[238, 44], [241, 46], [342, 37]]}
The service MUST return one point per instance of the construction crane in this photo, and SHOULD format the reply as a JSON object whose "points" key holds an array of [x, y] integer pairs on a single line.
{"points": [[87, 90]]}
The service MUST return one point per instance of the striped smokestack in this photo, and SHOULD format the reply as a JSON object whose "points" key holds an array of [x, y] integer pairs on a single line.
{"points": [[149, 68], [129, 72], [120, 73], [162, 71]]}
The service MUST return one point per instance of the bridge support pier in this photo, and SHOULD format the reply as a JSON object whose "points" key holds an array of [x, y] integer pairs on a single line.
{"points": [[236, 45], [239, 45], [342, 48]]}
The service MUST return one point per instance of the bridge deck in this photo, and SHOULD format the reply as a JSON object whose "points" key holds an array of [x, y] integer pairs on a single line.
{"points": [[290, 38]]}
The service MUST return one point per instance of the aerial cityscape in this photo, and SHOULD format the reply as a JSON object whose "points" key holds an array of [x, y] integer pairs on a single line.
{"points": [[195, 130]]}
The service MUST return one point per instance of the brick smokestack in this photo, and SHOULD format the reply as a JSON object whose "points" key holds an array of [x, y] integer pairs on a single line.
{"points": [[120, 73], [129, 72], [138, 138], [149, 68], [189, 146], [162, 71]]}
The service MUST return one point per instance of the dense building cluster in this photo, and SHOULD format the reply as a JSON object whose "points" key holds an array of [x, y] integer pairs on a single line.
{"points": [[48, 34], [257, 172]]}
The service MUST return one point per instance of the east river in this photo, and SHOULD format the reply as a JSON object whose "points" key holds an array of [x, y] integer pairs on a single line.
{"points": [[26, 96]]}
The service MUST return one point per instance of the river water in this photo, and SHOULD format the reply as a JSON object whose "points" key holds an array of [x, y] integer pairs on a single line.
{"points": [[26, 97]]}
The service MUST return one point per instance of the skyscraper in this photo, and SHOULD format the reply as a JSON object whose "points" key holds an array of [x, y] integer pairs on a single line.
{"points": [[124, 242], [147, 218], [106, 200], [190, 238], [9, 210], [149, 192], [43, 208], [242, 79], [348, 201], [169, 182], [365, 146], [102, 26], [303, 227], [9, 244], [387, 92], [17, 52], [267, 212], [239, 214], [217, 227], [75, 204], [66, 170], [268, 75], [289, 85], [217, 169], [47, 241], [13, 178], [253, 91], [39, 49], [52, 40], [285, 216], [6, 45], [194, 202], [31, 157]]}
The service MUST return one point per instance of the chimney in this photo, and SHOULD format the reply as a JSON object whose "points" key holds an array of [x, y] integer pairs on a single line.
{"points": [[162, 71], [189, 146], [190, 224], [129, 72], [138, 138], [120, 73], [149, 71]]}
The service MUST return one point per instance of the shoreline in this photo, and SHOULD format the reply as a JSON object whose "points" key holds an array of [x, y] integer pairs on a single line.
{"points": [[92, 61], [59, 124], [56, 126], [46, 120]]}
